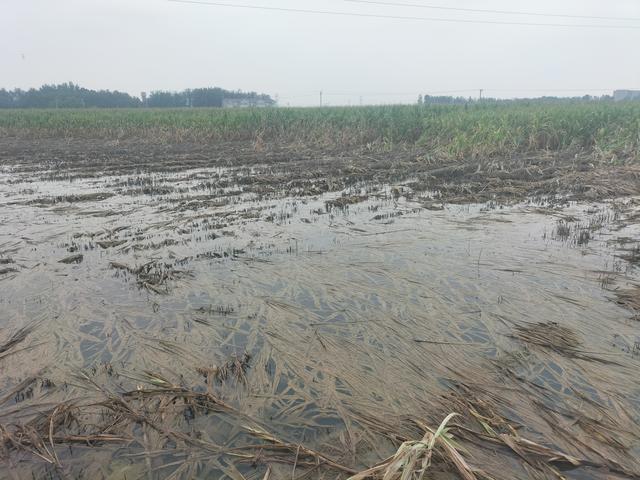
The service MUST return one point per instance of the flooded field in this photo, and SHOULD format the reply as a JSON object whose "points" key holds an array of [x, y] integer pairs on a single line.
{"points": [[266, 319]]}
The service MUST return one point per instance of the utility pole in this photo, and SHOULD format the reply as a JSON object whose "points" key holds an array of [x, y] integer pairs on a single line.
{"points": [[320, 97], [481, 90]]}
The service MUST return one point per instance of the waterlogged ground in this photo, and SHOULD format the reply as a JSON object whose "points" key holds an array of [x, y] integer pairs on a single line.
{"points": [[233, 323]]}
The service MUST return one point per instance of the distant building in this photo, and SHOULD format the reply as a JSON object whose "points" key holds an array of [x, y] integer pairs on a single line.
{"points": [[247, 102], [622, 95]]}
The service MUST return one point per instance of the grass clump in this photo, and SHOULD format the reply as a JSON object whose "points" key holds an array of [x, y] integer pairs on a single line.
{"points": [[413, 458]]}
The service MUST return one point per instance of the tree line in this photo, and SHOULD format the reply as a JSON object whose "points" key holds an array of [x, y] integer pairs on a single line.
{"points": [[69, 95], [449, 100], [206, 97]]}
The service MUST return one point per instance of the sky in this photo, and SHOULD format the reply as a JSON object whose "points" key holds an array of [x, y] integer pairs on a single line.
{"points": [[146, 45]]}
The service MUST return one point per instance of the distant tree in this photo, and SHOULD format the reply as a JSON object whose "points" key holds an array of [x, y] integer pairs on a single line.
{"points": [[69, 95], [6, 99], [207, 97], [443, 100], [420, 99], [162, 99]]}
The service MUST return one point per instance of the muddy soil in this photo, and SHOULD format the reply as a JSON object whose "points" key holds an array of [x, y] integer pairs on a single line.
{"points": [[223, 311], [323, 168]]}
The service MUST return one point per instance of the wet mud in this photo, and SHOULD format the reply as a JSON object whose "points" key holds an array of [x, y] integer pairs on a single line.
{"points": [[210, 315]]}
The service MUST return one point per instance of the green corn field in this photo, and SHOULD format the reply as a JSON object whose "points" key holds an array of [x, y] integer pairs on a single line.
{"points": [[607, 130]]}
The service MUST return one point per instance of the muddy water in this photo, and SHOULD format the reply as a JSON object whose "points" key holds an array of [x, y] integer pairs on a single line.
{"points": [[355, 319]]}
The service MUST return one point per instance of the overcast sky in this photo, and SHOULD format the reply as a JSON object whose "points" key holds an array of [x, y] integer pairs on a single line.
{"points": [[145, 45]]}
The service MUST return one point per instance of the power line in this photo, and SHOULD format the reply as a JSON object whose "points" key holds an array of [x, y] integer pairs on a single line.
{"points": [[479, 10], [400, 17]]}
